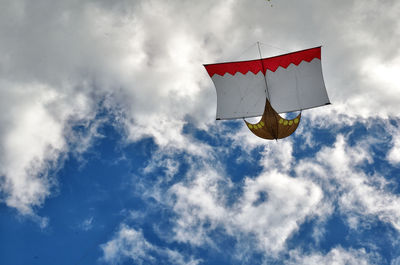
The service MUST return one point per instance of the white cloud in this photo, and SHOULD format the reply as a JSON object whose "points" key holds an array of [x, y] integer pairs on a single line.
{"points": [[129, 243], [395, 261], [196, 203], [336, 256], [359, 195], [58, 60], [32, 139], [270, 208], [78, 54], [289, 202], [273, 205], [87, 224], [393, 156]]}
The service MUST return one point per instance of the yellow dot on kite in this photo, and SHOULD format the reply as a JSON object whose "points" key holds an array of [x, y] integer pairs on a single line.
{"points": [[262, 123], [296, 120], [250, 126], [259, 125], [285, 122], [290, 122], [281, 121]]}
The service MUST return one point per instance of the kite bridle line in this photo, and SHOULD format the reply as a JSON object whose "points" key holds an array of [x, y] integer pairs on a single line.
{"points": [[262, 67], [275, 47], [275, 133], [266, 86]]}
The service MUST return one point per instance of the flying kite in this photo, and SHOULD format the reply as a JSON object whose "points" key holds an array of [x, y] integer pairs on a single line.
{"points": [[269, 86]]}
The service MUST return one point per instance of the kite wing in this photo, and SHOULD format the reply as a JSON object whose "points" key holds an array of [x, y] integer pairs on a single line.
{"points": [[290, 82]]}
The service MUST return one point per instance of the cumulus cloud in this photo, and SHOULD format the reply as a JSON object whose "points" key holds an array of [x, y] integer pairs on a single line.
{"points": [[269, 209], [359, 195], [33, 137], [60, 60], [142, 62], [45, 91], [197, 203], [56, 68], [289, 202]]}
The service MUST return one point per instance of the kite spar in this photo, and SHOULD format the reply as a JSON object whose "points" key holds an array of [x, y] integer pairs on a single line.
{"points": [[269, 86]]}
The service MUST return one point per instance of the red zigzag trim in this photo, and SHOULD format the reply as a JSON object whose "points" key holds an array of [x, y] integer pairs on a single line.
{"points": [[271, 63]]}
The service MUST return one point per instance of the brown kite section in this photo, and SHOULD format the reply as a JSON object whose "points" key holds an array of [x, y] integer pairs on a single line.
{"points": [[272, 125]]}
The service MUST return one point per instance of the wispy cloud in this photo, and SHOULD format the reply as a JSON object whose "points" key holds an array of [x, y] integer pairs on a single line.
{"points": [[337, 256], [87, 224], [129, 243]]}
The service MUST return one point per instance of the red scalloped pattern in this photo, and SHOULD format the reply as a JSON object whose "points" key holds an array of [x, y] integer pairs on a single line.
{"points": [[271, 63]]}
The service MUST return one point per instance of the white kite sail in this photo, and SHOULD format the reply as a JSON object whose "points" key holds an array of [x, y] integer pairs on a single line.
{"points": [[291, 82]]}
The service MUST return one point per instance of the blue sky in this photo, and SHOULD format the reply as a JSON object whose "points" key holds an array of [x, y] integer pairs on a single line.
{"points": [[110, 152]]}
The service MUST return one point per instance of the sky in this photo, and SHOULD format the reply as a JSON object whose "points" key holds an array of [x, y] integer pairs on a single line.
{"points": [[110, 152]]}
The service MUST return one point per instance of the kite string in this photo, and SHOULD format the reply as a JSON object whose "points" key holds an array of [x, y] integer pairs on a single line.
{"points": [[246, 50], [262, 43], [272, 46], [250, 47]]}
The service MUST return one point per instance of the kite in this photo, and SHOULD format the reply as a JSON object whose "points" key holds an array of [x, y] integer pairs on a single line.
{"points": [[267, 87]]}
